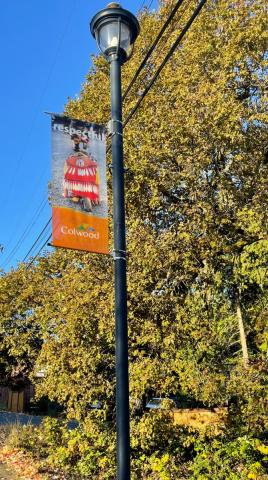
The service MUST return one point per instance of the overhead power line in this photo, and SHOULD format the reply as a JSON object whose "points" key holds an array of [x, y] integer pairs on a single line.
{"points": [[39, 251], [167, 57], [36, 241], [26, 231], [142, 5], [153, 46], [149, 4]]}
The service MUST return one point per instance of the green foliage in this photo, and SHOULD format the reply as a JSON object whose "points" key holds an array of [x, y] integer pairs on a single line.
{"points": [[242, 458], [159, 448], [248, 412]]}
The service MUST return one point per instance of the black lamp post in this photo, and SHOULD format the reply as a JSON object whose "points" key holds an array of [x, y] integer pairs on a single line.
{"points": [[116, 30]]}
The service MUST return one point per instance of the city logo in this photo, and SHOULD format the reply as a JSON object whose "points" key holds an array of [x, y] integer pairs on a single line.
{"points": [[83, 230], [86, 228]]}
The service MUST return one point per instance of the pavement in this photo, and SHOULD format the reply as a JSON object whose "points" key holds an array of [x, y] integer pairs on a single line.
{"points": [[9, 418], [5, 474]]}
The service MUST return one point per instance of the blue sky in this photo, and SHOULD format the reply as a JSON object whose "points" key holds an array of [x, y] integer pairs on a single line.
{"points": [[45, 51]]}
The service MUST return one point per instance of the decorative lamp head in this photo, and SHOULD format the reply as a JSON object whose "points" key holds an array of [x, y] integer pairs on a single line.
{"points": [[115, 30]]}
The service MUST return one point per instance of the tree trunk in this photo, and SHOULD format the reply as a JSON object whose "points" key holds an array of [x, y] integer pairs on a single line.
{"points": [[242, 333]]}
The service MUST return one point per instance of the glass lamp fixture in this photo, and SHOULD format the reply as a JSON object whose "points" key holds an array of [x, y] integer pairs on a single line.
{"points": [[115, 30]]}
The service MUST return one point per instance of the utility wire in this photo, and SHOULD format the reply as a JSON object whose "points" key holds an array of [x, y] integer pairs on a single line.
{"points": [[153, 46], [25, 232], [167, 57], [37, 212], [35, 257], [157, 73], [36, 241], [150, 4], [37, 247], [142, 5]]}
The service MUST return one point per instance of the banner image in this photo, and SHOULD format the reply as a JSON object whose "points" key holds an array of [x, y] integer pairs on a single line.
{"points": [[78, 191]]}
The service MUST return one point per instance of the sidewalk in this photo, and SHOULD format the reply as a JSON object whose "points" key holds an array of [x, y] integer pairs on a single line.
{"points": [[5, 474], [8, 418]]}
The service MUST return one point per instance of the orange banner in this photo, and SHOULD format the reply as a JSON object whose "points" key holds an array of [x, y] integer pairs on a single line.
{"points": [[78, 191], [79, 230]]}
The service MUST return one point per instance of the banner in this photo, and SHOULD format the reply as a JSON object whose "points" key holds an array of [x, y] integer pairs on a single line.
{"points": [[78, 191]]}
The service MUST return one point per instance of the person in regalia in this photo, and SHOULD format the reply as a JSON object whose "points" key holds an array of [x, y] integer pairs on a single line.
{"points": [[81, 177]]}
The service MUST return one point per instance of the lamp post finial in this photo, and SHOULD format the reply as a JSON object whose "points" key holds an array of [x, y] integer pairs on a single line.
{"points": [[113, 5]]}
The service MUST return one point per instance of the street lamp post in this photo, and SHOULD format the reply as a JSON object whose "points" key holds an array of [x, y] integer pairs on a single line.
{"points": [[116, 30]]}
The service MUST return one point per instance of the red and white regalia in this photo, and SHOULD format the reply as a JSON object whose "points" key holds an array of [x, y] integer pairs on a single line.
{"points": [[81, 178]]}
